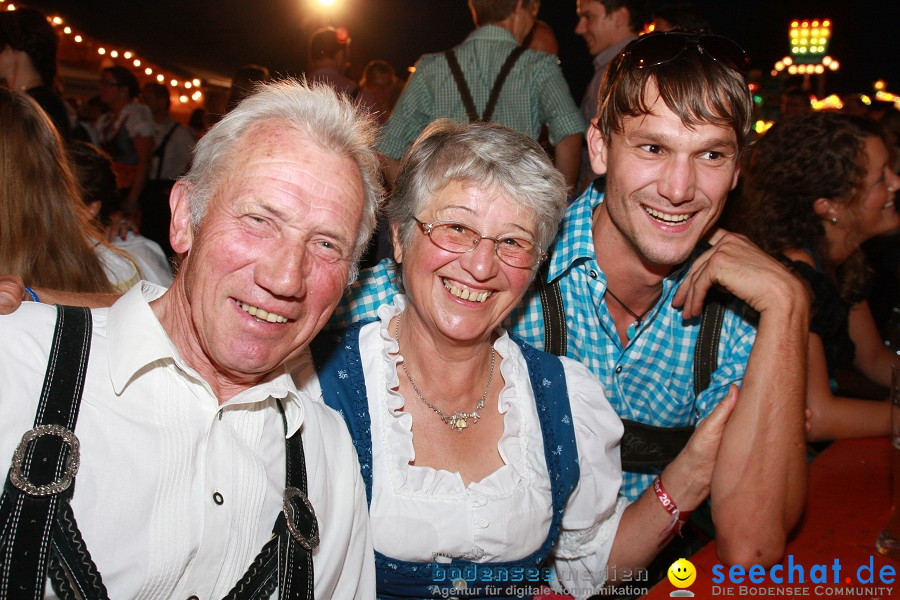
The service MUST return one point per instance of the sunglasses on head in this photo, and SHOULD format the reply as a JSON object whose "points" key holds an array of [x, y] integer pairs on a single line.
{"points": [[659, 48]]}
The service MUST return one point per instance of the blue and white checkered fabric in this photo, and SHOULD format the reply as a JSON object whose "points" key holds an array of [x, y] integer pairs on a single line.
{"points": [[651, 379]]}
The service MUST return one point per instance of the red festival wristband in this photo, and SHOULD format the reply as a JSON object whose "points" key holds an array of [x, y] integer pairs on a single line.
{"points": [[679, 517]]}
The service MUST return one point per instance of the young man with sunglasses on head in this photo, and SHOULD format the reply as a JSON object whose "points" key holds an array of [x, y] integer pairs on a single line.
{"points": [[632, 274], [627, 278]]}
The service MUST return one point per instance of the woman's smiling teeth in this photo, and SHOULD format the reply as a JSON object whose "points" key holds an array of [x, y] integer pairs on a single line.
{"points": [[261, 314], [466, 294], [667, 218]]}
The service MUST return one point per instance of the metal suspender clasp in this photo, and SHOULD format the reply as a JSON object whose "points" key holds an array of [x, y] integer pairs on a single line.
{"points": [[18, 478], [298, 512]]}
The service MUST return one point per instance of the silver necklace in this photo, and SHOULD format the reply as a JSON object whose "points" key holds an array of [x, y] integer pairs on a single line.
{"points": [[458, 420]]}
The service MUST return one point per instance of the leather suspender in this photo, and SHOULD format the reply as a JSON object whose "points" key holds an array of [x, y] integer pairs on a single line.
{"points": [[285, 561], [39, 536], [466, 94], [555, 330], [38, 528], [643, 446]]}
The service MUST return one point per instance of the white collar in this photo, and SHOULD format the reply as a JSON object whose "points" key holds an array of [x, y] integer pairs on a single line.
{"points": [[137, 339]]}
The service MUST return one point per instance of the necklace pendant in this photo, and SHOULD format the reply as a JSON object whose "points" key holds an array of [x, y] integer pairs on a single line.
{"points": [[632, 330], [458, 422]]}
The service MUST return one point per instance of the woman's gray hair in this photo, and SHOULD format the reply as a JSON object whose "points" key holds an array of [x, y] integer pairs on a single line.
{"points": [[313, 110], [484, 154]]}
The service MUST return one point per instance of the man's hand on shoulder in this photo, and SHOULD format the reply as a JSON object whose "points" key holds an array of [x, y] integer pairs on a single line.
{"points": [[12, 293], [738, 265]]}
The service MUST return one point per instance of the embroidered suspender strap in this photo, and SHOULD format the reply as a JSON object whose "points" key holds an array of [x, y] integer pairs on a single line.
{"points": [[285, 562], [551, 395], [466, 94], [35, 518], [555, 331]]}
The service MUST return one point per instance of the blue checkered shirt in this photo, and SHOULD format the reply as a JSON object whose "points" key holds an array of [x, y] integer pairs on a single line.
{"points": [[534, 94], [651, 379]]}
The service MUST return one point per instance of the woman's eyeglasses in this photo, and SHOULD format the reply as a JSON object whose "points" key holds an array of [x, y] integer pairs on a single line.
{"points": [[460, 238], [658, 48]]}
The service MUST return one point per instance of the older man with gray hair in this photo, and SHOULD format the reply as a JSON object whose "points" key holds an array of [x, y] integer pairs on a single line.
{"points": [[204, 472]]}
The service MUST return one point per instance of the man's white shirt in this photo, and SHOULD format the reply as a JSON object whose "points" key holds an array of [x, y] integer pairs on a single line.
{"points": [[158, 452]]}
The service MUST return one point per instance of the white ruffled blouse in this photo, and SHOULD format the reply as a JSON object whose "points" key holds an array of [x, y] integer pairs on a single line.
{"points": [[423, 514]]}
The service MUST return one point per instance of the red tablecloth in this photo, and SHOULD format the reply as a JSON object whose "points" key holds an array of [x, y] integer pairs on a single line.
{"points": [[848, 503]]}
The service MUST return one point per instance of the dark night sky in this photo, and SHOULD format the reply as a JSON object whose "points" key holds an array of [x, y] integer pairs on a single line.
{"points": [[220, 35]]}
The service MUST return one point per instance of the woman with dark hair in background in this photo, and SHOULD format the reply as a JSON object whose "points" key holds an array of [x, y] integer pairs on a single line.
{"points": [[46, 236], [126, 133], [28, 45], [817, 187]]}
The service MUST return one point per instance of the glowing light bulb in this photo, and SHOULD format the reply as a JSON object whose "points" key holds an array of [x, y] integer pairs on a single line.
{"points": [[78, 39], [148, 71], [67, 30], [101, 51], [137, 62], [160, 78], [128, 55], [114, 54]]}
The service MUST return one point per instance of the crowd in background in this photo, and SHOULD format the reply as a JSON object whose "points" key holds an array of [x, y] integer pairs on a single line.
{"points": [[816, 191]]}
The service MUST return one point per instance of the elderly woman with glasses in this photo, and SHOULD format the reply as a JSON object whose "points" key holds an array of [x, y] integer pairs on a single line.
{"points": [[482, 456], [488, 465]]}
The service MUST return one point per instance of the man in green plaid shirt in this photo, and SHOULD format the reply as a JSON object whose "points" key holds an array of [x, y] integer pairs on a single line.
{"points": [[533, 94]]}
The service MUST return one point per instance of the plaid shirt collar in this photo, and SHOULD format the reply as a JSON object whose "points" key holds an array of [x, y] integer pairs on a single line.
{"points": [[575, 241]]}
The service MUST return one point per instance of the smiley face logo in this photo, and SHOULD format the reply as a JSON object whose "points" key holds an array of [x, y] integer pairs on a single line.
{"points": [[682, 573]]}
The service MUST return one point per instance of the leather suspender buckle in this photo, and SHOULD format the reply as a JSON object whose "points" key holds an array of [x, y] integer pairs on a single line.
{"points": [[302, 511], [17, 477]]}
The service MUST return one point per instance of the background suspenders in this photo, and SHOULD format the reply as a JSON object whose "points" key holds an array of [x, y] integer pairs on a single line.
{"points": [[466, 94]]}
